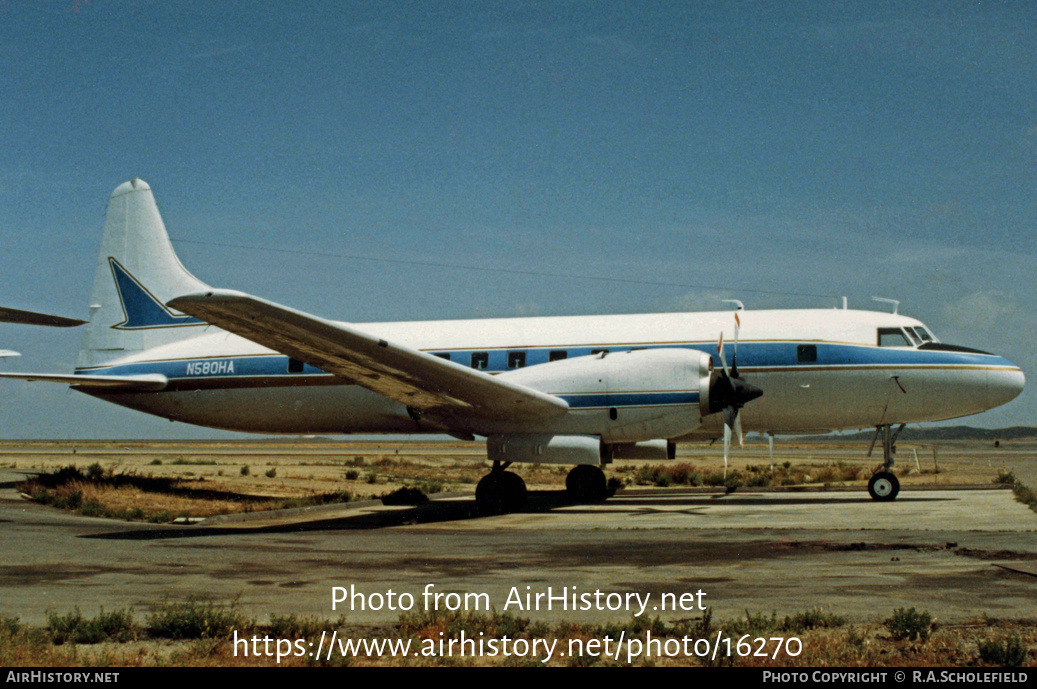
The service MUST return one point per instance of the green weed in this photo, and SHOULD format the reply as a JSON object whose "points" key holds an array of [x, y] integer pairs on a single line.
{"points": [[1009, 652], [909, 624], [195, 620]]}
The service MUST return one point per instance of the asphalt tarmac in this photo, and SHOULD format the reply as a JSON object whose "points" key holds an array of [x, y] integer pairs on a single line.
{"points": [[960, 554]]}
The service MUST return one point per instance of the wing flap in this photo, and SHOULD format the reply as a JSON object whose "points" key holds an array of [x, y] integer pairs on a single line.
{"points": [[148, 382], [421, 381]]}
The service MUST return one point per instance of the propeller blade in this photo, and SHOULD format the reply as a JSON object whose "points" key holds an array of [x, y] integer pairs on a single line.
{"points": [[727, 447], [720, 351], [730, 415], [729, 393]]}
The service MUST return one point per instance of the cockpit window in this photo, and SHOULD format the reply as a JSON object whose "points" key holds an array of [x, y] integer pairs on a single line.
{"points": [[893, 337], [922, 334]]}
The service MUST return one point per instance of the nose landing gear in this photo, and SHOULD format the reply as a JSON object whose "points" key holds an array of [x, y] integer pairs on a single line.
{"points": [[884, 486]]}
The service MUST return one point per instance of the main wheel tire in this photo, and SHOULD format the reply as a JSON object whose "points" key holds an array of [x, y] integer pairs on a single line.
{"points": [[586, 483], [516, 487], [500, 492], [883, 487]]}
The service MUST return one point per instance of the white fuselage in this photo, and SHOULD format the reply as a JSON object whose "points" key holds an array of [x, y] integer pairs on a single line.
{"points": [[820, 370]]}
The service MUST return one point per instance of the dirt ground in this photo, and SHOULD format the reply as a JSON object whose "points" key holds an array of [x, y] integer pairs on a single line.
{"points": [[855, 558], [300, 468]]}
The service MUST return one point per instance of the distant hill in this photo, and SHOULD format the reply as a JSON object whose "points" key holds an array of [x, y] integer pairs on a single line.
{"points": [[950, 433]]}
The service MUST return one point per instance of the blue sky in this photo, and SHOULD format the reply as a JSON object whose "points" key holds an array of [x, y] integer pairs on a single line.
{"points": [[785, 154]]}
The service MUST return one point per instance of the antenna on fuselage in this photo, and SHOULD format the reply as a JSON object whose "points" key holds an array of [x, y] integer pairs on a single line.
{"points": [[739, 306], [894, 302]]}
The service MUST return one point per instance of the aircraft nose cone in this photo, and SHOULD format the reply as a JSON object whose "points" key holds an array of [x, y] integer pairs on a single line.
{"points": [[1003, 386]]}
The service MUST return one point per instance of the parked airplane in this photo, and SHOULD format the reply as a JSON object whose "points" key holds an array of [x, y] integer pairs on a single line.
{"points": [[562, 390], [33, 318], [8, 315]]}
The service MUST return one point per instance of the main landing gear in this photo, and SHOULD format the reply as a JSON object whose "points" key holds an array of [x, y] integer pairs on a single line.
{"points": [[586, 483], [500, 491], [884, 486]]}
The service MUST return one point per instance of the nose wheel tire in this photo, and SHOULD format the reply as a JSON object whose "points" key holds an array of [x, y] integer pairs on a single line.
{"points": [[883, 487]]}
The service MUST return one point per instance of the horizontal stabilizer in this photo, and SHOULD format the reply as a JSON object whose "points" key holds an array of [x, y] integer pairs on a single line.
{"points": [[32, 318], [5, 353], [423, 382], [149, 382]]}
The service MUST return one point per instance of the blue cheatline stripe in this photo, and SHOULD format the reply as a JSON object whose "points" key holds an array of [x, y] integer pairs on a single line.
{"points": [[222, 367], [752, 356]]}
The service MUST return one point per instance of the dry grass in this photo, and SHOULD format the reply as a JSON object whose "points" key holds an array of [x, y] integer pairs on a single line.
{"points": [[825, 641], [104, 493], [208, 478]]}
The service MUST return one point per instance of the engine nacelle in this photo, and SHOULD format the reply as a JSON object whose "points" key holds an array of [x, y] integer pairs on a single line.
{"points": [[649, 449], [626, 397], [542, 448]]}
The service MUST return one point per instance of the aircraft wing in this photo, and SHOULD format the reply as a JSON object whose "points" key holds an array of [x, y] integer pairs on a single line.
{"points": [[32, 318], [423, 382], [149, 381]]}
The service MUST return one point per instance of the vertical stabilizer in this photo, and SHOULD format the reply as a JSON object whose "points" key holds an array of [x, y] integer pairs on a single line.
{"points": [[137, 272]]}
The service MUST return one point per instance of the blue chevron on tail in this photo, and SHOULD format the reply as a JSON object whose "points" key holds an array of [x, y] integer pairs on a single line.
{"points": [[141, 307]]}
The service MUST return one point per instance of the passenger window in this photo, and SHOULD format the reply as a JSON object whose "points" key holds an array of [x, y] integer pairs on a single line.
{"points": [[295, 366], [480, 360], [557, 355], [806, 354], [516, 359], [892, 337], [442, 355]]}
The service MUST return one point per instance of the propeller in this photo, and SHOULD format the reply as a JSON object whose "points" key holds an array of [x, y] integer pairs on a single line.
{"points": [[729, 393]]}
